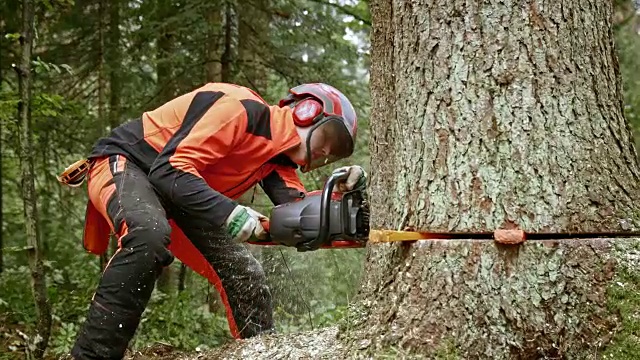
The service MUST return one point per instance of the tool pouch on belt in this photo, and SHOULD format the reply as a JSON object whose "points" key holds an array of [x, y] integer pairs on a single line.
{"points": [[75, 173], [96, 232]]}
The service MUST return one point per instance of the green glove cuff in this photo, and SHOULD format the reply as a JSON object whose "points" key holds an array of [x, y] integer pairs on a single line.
{"points": [[234, 227]]}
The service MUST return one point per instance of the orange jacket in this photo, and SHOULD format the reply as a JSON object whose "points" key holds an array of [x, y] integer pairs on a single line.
{"points": [[204, 149], [201, 151]]}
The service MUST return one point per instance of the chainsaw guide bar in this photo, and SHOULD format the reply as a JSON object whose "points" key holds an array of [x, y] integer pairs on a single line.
{"points": [[502, 236]]}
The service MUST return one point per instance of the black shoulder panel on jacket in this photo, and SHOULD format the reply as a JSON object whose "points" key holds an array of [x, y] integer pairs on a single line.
{"points": [[258, 118]]}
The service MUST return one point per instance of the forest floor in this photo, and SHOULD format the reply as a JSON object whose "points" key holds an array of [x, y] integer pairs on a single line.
{"points": [[8, 334], [317, 344]]}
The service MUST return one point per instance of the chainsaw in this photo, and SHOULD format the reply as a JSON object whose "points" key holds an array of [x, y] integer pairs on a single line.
{"points": [[323, 219]]}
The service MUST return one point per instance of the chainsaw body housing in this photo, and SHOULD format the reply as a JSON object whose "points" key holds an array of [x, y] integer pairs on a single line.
{"points": [[298, 223]]}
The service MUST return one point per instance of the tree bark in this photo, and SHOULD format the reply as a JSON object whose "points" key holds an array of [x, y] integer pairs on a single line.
{"points": [[38, 280], [228, 58], [114, 61], [166, 39], [254, 25], [212, 46], [488, 116], [502, 128]]}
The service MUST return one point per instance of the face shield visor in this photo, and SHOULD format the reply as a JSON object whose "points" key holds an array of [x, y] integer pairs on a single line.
{"points": [[327, 142]]}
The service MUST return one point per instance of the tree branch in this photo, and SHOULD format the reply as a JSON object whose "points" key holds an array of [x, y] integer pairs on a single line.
{"points": [[344, 9]]}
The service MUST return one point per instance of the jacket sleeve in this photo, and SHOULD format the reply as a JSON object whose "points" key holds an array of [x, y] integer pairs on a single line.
{"points": [[210, 129], [283, 185]]}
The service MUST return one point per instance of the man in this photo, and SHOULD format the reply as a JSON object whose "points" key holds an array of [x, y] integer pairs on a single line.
{"points": [[166, 185]]}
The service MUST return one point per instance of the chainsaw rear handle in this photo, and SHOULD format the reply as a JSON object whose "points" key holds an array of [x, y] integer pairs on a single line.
{"points": [[325, 207]]}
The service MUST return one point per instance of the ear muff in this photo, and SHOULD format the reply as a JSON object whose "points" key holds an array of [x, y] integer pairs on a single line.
{"points": [[307, 112]]}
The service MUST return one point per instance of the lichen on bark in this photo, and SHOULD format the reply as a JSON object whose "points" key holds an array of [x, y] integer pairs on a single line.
{"points": [[499, 114]]}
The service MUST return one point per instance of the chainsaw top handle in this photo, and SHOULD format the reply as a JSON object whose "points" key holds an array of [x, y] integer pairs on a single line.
{"points": [[325, 207]]}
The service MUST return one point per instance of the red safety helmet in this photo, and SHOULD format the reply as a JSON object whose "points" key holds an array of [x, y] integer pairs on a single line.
{"points": [[326, 110]]}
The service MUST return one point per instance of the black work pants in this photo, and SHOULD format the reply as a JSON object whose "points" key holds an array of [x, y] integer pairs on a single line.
{"points": [[121, 190]]}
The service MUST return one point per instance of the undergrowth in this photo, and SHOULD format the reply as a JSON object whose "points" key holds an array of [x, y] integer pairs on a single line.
{"points": [[183, 320], [624, 297]]}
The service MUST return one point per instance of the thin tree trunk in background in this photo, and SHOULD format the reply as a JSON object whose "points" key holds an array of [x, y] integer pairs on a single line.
{"points": [[490, 115], [212, 73], [45, 192], [212, 55], [1, 206], [114, 62], [165, 48], [228, 54], [102, 87], [254, 24], [38, 280]]}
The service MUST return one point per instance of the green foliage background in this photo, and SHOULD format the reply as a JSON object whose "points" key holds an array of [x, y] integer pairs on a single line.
{"points": [[100, 62]]}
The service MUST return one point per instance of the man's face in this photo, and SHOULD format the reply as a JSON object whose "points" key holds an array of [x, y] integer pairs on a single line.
{"points": [[328, 143], [319, 146]]}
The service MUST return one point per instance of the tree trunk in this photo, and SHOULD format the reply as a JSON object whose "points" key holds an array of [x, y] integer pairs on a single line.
{"points": [[520, 128], [166, 37], [476, 128], [229, 48], [45, 216], [102, 81], [212, 52], [114, 62], [38, 280], [254, 25]]}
